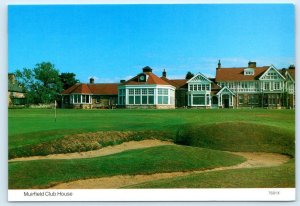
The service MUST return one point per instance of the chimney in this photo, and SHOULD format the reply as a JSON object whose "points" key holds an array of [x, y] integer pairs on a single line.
{"points": [[292, 66], [92, 80], [251, 64], [164, 73], [219, 64], [122, 81], [147, 69], [12, 78], [283, 71]]}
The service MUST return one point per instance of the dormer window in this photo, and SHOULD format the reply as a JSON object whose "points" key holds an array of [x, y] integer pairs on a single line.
{"points": [[249, 71]]}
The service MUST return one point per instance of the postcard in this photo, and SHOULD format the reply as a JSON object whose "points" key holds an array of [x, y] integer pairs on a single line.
{"points": [[151, 102]]}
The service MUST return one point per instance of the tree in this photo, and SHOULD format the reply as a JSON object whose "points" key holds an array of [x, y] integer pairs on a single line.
{"points": [[189, 75], [42, 83], [68, 80]]}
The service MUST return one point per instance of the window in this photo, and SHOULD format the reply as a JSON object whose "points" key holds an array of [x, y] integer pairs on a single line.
{"points": [[77, 98], [241, 99], [198, 99], [195, 87], [150, 99], [207, 99], [199, 87], [207, 87], [137, 91], [203, 87], [137, 100], [85, 99], [266, 86], [276, 85], [163, 97], [130, 91], [144, 99], [131, 99], [253, 99], [191, 87]]}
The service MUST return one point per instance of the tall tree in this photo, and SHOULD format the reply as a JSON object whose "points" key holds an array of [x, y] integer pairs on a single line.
{"points": [[41, 83], [68, 79], [189, 75]]}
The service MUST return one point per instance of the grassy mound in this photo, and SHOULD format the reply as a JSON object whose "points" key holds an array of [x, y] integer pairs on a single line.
{"points": [[238, 136], [83, 142], [275, 177], [44, 173]]}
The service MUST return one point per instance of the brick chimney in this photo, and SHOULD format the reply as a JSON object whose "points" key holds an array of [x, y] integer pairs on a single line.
{"points": [[164, 73], [251, 64], [92, 80]]}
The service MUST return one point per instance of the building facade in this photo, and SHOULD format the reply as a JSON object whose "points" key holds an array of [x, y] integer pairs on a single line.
{"points": [[238, 87], [16, 94]]}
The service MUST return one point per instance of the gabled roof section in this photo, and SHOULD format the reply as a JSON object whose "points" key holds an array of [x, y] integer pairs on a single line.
{"points": [[150, 79], [95, 89], [237, 74], [198, 78], [225, 89], [271, 68]]}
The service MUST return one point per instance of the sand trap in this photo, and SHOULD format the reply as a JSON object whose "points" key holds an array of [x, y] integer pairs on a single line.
{"points": [[101, 152], [254, 160]]}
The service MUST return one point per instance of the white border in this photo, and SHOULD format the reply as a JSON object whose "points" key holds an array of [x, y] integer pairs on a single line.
{"points": [[269, 194], [142, 195]]}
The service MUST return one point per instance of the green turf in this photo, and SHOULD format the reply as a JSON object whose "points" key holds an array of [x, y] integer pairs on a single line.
{"points": [[33, 126], [274, 177], [44, 173], [238, 136]]}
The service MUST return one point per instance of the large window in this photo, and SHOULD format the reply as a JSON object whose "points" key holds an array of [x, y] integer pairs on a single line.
{"points": [[241, 99], [162, 97], [77, 98], [198, 99], [141, 96], [253, 99]]}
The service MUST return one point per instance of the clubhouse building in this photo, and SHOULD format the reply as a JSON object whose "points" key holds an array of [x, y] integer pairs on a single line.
{"points": [[249, 86]]}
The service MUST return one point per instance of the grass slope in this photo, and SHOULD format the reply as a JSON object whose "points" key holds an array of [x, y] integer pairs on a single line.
{"points": [[44, 173], [35, 126], [275, 177], [238, 136]]}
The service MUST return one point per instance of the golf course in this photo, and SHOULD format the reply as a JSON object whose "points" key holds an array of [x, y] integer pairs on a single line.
{"points": [[147, 148]]}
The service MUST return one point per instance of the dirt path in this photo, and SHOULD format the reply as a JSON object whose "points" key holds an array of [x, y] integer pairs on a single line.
{"points": [[101, 152], [254, 159]]}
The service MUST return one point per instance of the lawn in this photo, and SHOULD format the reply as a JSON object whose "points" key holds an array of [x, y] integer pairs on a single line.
{"points": [[44, 173], [34, 132], [32, 126]]}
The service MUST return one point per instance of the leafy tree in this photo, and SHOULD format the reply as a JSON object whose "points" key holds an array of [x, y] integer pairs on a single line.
{"points": [[68, 80], [42, 83], [189, 75]]}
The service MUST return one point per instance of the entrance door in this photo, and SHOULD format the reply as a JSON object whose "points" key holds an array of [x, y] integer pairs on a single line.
{"points": [[225, 99]]}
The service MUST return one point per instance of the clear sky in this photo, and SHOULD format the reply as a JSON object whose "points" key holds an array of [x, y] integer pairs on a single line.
{"points": [[113, 42]]}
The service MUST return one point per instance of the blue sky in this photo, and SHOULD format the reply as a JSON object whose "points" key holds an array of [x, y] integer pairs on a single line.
{"points": [[113, 42]]}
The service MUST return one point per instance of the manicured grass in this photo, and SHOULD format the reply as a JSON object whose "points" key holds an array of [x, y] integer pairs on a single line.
{"points": [[274, 177], [44, 173], [238, 136], [34, 126]]}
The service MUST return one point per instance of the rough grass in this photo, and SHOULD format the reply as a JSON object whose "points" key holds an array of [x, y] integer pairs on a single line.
{"points": [[274, 177], [238, 136], [45, 173], [83, 142]]}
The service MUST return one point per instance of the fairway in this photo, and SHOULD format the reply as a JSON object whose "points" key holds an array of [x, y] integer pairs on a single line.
{"points": [[203, 134]]}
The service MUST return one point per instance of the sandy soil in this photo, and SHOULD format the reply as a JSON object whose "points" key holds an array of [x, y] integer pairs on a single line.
{"points": [[254, 159], [101, 152]]}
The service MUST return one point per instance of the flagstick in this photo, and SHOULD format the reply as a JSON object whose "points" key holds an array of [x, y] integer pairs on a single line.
{"points": [[55, 111]]}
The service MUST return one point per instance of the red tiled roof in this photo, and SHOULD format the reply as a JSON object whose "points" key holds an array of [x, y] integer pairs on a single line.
{"points": [[237, 74], [97, 89], [178, 83], [152, 79]]}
